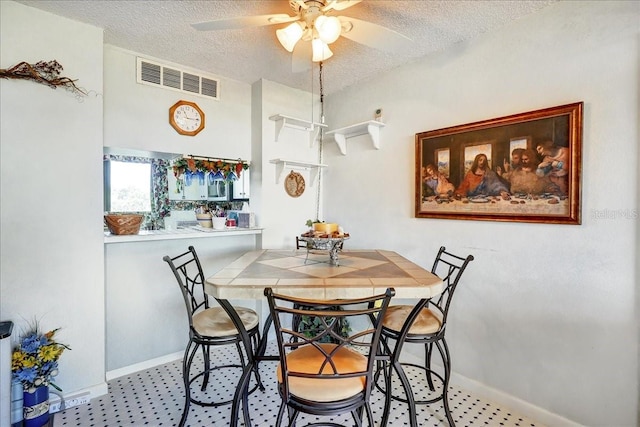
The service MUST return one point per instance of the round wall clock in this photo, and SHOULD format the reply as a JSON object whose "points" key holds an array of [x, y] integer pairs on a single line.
{"points": [[294, 184], [186, 118]]}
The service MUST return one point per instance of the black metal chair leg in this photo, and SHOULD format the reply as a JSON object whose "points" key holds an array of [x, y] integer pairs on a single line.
{"points": [[369, 415], [256, 372], [245, 404], [189, 354], [256, 365], [240, 395], [356, 414], [280, 414], [428, 350], [446, 361], [293, 416], [207, 366], [387, 394], [408, 393], [240, 353]]}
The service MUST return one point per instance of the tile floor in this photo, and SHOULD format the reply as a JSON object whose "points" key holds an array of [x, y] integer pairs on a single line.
{"points": [[155, 397]]}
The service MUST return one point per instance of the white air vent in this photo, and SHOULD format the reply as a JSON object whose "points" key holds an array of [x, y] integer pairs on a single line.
{"points": [[155, 74]]}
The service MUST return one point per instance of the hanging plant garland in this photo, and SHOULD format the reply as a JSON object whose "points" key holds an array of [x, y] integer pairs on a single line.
{"points": [[225, 166]]}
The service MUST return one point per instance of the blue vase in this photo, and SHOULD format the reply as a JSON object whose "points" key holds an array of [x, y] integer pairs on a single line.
{"points": [[36, 407]]}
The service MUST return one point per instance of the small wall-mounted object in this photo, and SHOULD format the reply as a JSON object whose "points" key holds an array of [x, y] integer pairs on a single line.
{"points": [[191, 82], [371, 127], [283, 165], [43, 72], [186, 118], [294, 184], [283, 121]]}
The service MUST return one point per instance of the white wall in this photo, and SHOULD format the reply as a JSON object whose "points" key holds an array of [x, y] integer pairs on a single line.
{"points": [[51, 240], [136, 116], [282, 216], [546, 313], [145, 313]]}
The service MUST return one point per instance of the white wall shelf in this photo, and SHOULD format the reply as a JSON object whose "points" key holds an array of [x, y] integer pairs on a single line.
{"points": [[283, 121], [282, 165], [371, 127]]}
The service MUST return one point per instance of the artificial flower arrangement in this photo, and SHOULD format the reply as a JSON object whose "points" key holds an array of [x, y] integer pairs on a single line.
{"points": [[225, 167], [35, 360], [219, 212]]}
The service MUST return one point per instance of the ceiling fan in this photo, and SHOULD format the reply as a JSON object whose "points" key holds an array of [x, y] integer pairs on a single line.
{"points": [[313, 29]]}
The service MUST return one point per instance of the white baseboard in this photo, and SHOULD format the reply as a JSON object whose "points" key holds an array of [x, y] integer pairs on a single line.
{"points": [[515, 404], [151, 363], [501, 398]]}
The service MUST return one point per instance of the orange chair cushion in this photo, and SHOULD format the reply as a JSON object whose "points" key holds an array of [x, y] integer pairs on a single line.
{"points": [[215, 322], [427, 322], [308, 359]]}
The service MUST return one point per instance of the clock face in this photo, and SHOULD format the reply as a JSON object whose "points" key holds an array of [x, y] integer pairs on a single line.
{"points": [[186, 118]]}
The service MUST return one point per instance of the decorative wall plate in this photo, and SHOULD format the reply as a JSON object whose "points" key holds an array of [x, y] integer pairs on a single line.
{"points": [[294, 184]]}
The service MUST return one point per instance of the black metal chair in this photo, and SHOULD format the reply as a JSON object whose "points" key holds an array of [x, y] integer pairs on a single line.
{"points": [[322, 370], [212, 326], [424, 323]]}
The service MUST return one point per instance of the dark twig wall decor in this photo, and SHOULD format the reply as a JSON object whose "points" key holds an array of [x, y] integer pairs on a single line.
{"points": [[47, 73]]}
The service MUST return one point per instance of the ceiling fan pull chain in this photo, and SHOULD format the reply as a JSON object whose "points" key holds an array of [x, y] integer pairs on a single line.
{"points": [[320, 141], [321, 96]]}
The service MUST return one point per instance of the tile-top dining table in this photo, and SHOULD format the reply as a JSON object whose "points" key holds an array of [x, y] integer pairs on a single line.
{"points": [[297, 273]]}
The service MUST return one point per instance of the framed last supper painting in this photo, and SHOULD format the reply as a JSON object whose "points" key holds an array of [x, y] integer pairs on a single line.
{"points": [[524, 167]]}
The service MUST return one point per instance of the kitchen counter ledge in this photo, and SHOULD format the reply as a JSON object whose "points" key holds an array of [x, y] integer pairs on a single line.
{"points": [[182, 233]]}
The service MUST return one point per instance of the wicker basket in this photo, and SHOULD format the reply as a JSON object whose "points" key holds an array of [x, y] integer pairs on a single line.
{"points": [[123, 223]]}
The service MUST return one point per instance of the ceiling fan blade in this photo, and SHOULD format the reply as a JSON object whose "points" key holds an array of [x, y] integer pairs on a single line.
{"points": [[373, 35], [340, 4], [301, 57], [244, 22]]}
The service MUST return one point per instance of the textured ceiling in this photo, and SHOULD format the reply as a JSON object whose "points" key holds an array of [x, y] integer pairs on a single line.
{"points": [[161, 29]]}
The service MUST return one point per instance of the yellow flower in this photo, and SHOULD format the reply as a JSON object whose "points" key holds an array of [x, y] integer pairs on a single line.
{"points": [[29, 361], [49, 353], [17, 360]]}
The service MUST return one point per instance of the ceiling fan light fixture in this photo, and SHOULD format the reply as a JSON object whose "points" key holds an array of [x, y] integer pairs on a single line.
{"points": [[320, 50], [290, 35], [346, 26], [307, 35], [328, 27]]}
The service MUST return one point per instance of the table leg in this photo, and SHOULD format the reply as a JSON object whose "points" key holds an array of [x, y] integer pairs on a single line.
{"points": [[333, 254], [242, 389], [262, 347]]}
